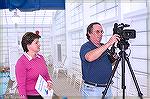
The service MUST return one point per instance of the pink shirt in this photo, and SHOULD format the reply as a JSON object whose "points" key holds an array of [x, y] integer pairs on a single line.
{"points": [[27, 72]]}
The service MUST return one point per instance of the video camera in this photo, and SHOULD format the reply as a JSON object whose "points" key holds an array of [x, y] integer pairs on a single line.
{"points": [[125, 34]]}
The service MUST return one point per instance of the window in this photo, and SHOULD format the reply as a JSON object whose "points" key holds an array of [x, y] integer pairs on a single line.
{"points": [[59, 52]]}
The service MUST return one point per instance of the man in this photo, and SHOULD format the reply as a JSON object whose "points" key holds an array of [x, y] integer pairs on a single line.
{"points": [[96, 66]]}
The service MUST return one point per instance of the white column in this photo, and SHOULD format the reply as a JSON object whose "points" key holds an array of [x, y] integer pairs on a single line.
{"points": [[148, 43], [68, 35]]}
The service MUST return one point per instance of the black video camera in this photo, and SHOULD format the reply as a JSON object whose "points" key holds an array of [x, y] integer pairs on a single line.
{"points": [[125, 34]]}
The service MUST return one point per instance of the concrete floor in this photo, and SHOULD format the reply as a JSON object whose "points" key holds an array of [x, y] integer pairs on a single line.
{"points": [[63, 88]]}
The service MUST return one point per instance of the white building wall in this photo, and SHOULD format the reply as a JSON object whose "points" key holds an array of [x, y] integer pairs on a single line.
{"points": [[148, 41], [80, 14], [59, 38]]}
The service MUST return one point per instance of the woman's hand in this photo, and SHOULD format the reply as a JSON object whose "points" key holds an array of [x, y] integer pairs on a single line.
{"points": [[49, 84]]}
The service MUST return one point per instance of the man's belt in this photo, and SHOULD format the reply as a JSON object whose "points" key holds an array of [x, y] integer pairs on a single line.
{"points": [[95, 84]]}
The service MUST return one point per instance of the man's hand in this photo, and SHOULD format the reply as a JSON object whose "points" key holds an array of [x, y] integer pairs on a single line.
{"points": [[114, 39]]}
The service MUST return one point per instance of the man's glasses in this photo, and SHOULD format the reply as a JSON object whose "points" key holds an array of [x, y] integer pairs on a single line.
{"points": [[98, 31]]}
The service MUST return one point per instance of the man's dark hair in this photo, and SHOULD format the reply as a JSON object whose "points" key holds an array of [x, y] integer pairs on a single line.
{"points": [[90, 28], [28, 38]]}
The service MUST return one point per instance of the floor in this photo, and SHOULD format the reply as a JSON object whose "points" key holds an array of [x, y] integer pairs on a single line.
{"points": [[63, 88]]}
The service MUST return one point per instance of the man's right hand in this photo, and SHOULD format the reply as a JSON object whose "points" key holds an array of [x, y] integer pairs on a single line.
{"points": [[114, 39]]}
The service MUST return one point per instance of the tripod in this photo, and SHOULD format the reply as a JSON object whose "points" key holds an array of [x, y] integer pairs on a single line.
{"points": [[122, 56]]}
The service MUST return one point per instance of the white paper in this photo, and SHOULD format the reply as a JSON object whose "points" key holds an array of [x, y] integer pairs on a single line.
{"points": [[41, 87]]}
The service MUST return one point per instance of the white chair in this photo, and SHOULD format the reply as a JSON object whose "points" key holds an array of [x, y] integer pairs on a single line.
{"points": [[58, 67], [11, 90]]}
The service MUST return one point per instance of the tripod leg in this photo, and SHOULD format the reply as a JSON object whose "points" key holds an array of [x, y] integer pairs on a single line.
{"points": [[134, 78], [123, 72], [110, 79]]}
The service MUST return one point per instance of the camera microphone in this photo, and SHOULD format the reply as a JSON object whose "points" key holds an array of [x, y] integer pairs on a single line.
{"points": [[124, 25]]}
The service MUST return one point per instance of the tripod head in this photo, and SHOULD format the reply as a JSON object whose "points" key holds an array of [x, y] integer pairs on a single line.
{"points": [[122, 43]]}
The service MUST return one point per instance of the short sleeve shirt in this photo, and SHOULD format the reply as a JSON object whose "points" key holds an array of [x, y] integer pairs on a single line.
{"points": [[97, 71]]}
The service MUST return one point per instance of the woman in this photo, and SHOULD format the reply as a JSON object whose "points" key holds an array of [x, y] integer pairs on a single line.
{"points": [[29, 66]]}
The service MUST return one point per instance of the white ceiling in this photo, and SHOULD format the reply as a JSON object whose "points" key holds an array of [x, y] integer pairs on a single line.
{"points": [[36, 17]]}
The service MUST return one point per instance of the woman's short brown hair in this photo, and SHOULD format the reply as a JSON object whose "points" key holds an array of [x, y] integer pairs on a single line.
{"points": [[28, 38]]}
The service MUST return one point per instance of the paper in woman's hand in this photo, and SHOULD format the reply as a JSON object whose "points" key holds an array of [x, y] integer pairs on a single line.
{"points": [[41, 87]]}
